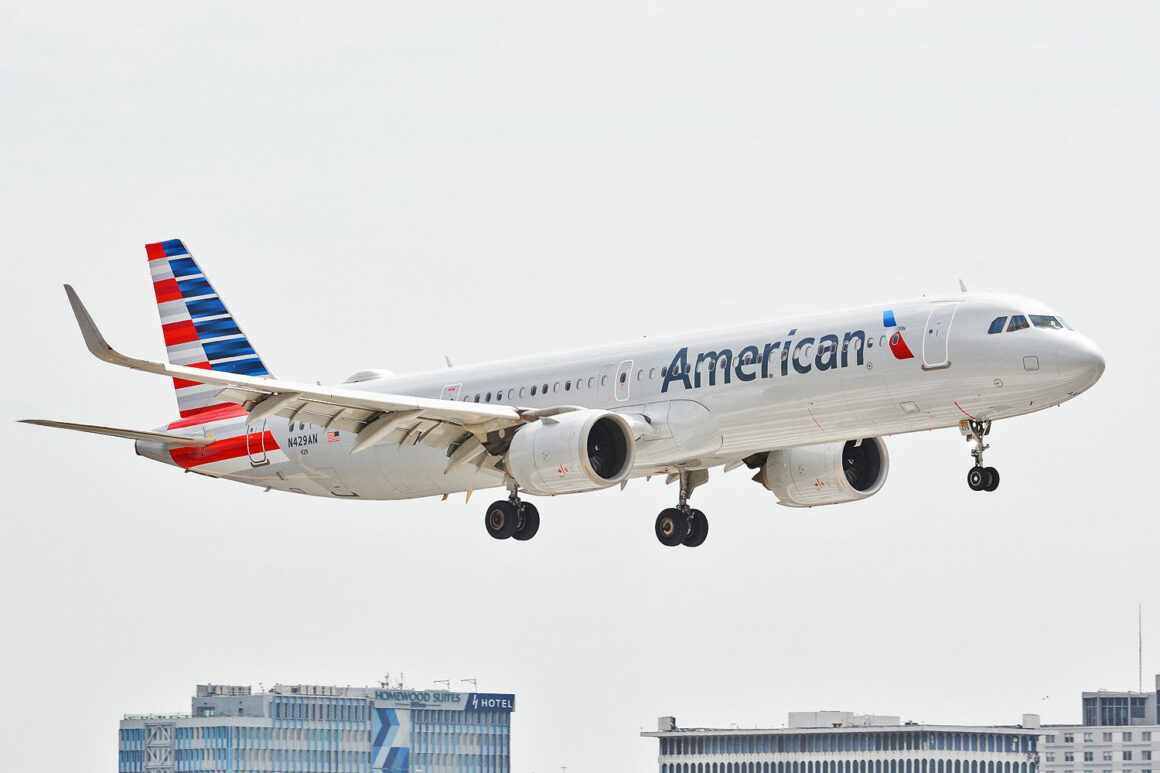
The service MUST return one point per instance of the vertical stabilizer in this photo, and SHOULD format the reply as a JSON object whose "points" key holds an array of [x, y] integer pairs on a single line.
{"points": [[199, 330]]}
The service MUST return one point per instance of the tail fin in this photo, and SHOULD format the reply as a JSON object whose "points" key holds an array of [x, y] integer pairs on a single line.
{"points": [[199, 330]]}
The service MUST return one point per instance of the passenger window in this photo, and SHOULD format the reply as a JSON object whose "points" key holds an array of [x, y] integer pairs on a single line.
{"points": [[556, 387], [487, 399], [533, 390], [652, 374], [997, 325], [522, 390], [568, 385], [640, 374], [1018, 322], [623, 377], [591, 381], [1042, 320], [545, 389]]}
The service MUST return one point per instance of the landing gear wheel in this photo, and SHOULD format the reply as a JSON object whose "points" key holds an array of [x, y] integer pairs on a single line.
{"points": [[698, 529], [529, 522], [672, 527], [992, 479], [501, 519], [977, 478]]}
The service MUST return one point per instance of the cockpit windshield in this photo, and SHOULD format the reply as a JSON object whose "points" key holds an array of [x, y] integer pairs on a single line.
{"points": [[1044, 320], [1020, 322]]}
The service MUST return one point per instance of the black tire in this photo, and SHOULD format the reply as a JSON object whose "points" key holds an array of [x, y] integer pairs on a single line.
{"points": [[977, 478], [501, 519], [992, 479], [529, 522], [672, 527], [698, 530]]}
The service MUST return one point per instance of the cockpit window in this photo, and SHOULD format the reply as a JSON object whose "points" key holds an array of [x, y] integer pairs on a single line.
{"points": [[1043, 320], [1018, 322], [997, 325]]}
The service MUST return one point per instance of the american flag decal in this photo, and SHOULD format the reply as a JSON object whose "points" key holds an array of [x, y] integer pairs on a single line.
{"points": [[332, 436]]}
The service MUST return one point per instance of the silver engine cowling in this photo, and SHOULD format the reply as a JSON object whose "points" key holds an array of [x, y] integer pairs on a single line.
{"points": [[826, 474], [572, 452]]}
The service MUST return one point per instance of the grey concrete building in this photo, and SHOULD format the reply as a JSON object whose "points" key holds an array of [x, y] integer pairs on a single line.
{"points": [[842, 742]]}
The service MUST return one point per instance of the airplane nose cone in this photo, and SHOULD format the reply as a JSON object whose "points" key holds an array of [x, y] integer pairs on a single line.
{"points": [[1081, 363]]}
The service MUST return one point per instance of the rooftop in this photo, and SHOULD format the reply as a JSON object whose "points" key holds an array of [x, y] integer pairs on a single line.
{"points": [[839, 722]]}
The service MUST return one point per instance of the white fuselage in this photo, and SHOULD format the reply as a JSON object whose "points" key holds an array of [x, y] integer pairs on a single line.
{"points": [[791, 382]]}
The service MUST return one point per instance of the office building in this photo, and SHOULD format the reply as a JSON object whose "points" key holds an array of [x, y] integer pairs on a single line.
{"points": [[1119, 734], [842, 742], [320, 729]]}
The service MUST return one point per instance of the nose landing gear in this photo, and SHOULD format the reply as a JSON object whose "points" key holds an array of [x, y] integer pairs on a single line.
{"points": [[979, 478]]}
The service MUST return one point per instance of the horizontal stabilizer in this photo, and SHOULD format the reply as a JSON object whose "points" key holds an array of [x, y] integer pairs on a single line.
{"points": [[163, 438]]}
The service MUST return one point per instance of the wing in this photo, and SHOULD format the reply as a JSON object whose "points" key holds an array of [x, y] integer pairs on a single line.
{"points": [[372, 415], [164, 438]]}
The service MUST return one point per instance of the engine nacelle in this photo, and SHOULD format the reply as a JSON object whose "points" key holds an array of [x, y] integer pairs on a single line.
{"points": [[572, 452], [826, 474]]}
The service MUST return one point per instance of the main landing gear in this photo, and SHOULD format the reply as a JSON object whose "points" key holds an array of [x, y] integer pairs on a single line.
{"points": [[512, 517], [979, 478], [683, 525]]}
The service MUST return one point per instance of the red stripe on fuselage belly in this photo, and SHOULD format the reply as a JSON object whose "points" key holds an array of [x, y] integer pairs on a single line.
{"points": [[222, 450]]}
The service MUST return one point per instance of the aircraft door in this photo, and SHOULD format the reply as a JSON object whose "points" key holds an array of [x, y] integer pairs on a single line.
{"points": [[451, 392], [256, 444], [622, 385], [936, 336]]}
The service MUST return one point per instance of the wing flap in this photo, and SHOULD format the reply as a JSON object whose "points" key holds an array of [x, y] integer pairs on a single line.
{"points": [[164, 438]]}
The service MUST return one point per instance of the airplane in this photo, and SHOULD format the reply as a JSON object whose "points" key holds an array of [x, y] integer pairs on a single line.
{"points": [[804, 403]]}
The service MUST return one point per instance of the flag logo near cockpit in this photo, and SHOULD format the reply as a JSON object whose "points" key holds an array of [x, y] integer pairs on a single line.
{"points": [[897, 343]]}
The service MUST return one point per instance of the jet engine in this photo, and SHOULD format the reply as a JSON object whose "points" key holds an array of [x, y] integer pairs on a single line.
{"points": [[826, 474], [572, 452]]}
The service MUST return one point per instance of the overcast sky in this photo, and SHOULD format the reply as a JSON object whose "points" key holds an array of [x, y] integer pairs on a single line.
{"points": [[375, 187]]}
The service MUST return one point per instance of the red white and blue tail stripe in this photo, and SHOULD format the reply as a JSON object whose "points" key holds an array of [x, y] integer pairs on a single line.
{"points": [[199, 330]]}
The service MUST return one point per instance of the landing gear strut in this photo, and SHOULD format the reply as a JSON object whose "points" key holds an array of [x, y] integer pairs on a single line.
{"points": [[512, 517], [684, 525], [979, 478]]}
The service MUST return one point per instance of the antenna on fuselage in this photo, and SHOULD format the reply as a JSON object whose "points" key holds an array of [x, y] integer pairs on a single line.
{"points": [[448, 361], [962, 284]]}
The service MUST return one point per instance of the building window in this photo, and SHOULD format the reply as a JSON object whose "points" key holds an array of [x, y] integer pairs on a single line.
{"points": [[1068, 738], [1127, 736], [1146, 735], [1069, 757], [1127, 754], [1089, 756], [1088, 737], [1114, 711], [1090, 713], [1146, 754], [1107, 737], [1050, 739]]}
